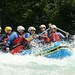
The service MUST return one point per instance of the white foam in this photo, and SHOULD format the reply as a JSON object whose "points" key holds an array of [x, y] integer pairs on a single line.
{"points": [[31, 65]]}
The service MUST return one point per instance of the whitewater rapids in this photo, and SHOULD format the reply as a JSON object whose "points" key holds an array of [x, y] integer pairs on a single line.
{"points": [[31, 65]]}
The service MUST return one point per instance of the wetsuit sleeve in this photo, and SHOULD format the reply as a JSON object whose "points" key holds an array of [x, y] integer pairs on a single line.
{"points": [[61, 35], [2, 37], [11, 38]]}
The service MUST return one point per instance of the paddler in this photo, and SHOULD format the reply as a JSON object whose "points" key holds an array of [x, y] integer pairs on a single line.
{"points": [[43, 37], [0, 31], [56, 36], [0, 35], [15, 38], [3, 37], [32, 36]]}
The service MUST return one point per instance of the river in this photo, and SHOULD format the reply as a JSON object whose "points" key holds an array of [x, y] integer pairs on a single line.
{"points": [[31, 65]]}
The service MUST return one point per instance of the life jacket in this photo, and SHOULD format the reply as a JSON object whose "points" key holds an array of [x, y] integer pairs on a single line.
{"points": [[54, 37], [18, 40], [46, 39], [17, 49]]}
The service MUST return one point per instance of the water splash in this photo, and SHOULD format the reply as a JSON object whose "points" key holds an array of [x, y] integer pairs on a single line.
{"points": [[72, 44], [31, 65]]}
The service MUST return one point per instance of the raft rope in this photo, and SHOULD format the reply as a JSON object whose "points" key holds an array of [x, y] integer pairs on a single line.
{"points": [[51, 50]]}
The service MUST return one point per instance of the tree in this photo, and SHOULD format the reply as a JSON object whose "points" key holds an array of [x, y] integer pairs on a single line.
{"points": [[33, 13]]}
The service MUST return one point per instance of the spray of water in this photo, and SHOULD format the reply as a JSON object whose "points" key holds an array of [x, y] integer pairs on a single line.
{"points": [[72, 44], [31, 65]]}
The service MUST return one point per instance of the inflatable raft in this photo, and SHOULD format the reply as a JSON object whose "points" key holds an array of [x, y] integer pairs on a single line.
{"points": [[57, 50]]}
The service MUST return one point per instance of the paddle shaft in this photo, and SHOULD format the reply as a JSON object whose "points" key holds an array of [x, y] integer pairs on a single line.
{"points": [[16, 45], [43, 32], [1, 43], [61, 30], [69, 36]]}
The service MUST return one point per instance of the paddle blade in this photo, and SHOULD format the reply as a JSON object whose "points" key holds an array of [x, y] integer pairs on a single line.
{"points": [[29, 38]]}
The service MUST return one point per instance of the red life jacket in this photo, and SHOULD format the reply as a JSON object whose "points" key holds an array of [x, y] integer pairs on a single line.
{"points": [[46, 39], [18, 40], [17, 49], [15, 42], [54, 37]]}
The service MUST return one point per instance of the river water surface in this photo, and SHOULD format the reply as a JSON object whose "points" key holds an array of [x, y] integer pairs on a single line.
{"points": [[30, 65]]}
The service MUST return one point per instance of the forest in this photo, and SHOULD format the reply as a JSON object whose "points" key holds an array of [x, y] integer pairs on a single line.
{"points": [[37, 12]]}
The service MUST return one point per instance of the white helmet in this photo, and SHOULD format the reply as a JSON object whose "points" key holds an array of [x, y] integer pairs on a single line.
{"points": [[0, 28], [49, 24], [31, 28], [19, 28], [53, 26], [42, 26]]}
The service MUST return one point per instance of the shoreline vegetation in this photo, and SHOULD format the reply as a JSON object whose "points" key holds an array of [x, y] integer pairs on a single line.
{"points": [[34, 13]]}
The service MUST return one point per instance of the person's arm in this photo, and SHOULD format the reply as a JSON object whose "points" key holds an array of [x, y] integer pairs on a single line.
{"points": [[2, 37], [67, 35], [10, 39], [45, 35], [61, 35]]}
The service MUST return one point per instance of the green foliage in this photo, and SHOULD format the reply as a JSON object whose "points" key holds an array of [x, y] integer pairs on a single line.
{"points": [[36, 12]]}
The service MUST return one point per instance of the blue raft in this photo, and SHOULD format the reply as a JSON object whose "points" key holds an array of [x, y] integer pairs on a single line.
{"points": [[56, 50]]}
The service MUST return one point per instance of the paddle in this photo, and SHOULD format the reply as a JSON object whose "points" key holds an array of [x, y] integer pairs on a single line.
{"points": [[70, 35], [30, 37], [70, 38], [61, 30], [19, 47], [43, 32], [58, 28], [1, 43], [16, 45]]}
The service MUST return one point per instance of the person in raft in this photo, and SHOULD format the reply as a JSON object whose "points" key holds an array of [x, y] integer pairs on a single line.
{"points": [[16, 37], [56, 36], [4, 37], [0, 31], [43, 37], [1, 40], [31, 36]]}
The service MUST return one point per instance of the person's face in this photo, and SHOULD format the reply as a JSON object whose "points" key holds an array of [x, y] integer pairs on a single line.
{"points": [[42, 29], [21, 32], [49, 24], [32, 32], [53, 30], [9, 31]]}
